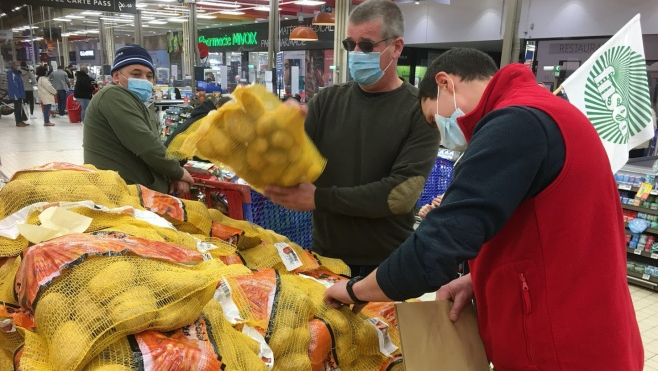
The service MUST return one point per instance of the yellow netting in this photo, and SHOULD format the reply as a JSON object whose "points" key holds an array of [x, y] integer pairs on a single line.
{"points": [[256, 135], [94, 304], [335, 265], [267, 256], [6, 362], [8, 268]]}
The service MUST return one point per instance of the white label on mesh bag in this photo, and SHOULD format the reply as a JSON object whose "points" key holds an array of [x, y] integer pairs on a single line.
{"points": [[202, 246], [326, 284], [7, 325], [224, 297], [265, 352], [206, 256], [386, 346], [288, 256]]}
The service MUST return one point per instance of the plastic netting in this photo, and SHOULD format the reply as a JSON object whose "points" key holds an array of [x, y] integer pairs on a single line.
{"points": [[257, 136], [98, 299], [296, 225], [437, 182], [8, 269]]}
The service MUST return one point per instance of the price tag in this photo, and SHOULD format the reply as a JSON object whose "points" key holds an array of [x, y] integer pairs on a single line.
{"points": [[625, 187], [646, 277], [654, 192], [654, 256], [637, 252]]}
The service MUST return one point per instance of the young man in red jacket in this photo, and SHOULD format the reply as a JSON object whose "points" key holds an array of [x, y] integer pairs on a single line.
{"points": [[534, 206]]}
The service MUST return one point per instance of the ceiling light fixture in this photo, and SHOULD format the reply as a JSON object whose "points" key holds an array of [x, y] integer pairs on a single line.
{"points": [[158, 21], [231, 12], [177, 20], [73, 16], [91, 12], [204, 16], [303, 33], [62, 20], [219, 4], [324, 19], [309, 2], [142, 5]]}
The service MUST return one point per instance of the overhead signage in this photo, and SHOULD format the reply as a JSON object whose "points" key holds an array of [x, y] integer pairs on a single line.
{"points": [[117, 6], [254, 37], [7, 35]]}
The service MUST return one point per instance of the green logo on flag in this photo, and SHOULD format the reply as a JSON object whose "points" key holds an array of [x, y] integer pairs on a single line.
{"points": [[616, 95]]}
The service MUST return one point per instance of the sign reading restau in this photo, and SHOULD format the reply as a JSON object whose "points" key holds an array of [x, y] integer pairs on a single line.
{"points": [[121, 6]]}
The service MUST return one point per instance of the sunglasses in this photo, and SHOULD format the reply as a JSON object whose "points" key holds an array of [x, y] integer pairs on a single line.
{"points": [[364, 46]]}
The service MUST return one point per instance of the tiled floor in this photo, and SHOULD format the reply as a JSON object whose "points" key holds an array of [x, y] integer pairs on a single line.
{"points": [[36, 145]]}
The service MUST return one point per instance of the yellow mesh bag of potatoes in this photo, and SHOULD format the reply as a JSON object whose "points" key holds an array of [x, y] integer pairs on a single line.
{"points": [[12, 320], [284, 257], [257, 136], [6, 362], [8, 269], [208, 344], [91, 290]]}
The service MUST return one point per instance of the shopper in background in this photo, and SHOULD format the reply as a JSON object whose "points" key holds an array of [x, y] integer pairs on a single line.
{"points": [[379, 148], [121, 132], [46, 93], [28, 83], [69, 71], [547, 260], [61, 83], [16, 92], [83, 89]]}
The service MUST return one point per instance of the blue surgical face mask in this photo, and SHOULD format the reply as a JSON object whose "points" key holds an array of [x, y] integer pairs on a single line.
{"points": [[364, 67], [142, 88], [452, 136]]}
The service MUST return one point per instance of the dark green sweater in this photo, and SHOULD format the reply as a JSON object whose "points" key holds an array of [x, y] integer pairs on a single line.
{"points": [[380, 151], [121, 133]]}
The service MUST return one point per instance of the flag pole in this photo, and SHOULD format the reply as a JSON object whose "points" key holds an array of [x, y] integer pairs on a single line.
{"points": [[558, 90]]}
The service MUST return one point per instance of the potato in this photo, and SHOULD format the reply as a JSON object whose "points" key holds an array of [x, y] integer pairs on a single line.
{"points": [[281, 339], [110, 280], [366, 338], [293, 362], [134, 310], [169, 283], [90, 314], [255, 160], [179, 314], [266, 124], [218, 145], [314, 172], [51, 310], [258, 145], [302, 335], [68, 345], [270, 174], [110, 368], [281, 139], [276, 157], [239, 128]]}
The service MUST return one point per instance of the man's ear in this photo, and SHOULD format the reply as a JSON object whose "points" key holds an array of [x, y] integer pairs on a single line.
{"points": [[398, 44], [443, 81]]}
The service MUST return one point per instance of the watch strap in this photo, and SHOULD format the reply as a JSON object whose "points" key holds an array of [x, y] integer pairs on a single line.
{"points": [[350, 291]]}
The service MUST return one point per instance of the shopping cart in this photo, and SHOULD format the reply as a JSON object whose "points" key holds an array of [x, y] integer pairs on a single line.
{"points": [[236, 196], [437, 182]]}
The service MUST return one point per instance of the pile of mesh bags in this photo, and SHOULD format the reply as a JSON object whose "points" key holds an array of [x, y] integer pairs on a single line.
{"points": [[262, 140], [159, 283]]}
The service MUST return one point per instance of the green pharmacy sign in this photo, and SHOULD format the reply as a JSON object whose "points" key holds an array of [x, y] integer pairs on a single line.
{"points": [[237, 38]]}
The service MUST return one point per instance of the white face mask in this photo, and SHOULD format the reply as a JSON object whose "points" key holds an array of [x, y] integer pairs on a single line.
{"points": [[452, 136]]}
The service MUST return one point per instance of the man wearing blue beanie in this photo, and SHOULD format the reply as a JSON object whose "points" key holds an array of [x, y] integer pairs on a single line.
{"points": [[121, 131]]}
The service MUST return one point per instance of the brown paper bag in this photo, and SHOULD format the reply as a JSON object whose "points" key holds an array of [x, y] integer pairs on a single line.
{"points": [[431, 342]]}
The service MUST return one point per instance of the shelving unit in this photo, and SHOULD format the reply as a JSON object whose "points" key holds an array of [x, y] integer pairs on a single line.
{"points": [[638, 257], [173, 116]]}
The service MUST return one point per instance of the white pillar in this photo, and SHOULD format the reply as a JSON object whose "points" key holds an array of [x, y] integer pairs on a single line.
{"points": [[342, 11]]}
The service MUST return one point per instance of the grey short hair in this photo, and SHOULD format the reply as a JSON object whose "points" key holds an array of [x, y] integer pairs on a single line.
{"points": [[385, 11]]}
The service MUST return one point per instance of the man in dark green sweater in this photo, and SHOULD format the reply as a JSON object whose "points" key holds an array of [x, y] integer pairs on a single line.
{"points": [[121, 132], [379, 148]]}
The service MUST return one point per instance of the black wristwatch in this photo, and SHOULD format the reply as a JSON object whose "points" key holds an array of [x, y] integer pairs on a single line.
{"points": [[350, 292]]}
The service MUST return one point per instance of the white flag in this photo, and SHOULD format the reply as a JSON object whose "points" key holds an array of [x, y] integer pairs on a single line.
{"points": [[612, 90]]}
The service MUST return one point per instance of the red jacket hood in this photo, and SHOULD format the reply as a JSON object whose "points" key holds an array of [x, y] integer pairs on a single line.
{"points": [[513, 82]]}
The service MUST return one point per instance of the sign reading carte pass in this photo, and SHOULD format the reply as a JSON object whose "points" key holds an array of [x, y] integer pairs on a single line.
{"points": [[121, 6]]}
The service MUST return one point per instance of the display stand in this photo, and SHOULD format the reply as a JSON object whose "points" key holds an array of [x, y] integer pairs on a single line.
{"points": [[642, 251]]}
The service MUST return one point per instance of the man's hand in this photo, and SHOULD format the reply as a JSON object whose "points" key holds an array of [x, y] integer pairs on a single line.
{"points": [[294, 103], [336, 296], [179, 188], [299, 198], [187, 177], [460, 291]]}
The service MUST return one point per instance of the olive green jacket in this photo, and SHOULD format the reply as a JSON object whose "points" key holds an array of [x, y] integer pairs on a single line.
{"points": [[120, 133]]}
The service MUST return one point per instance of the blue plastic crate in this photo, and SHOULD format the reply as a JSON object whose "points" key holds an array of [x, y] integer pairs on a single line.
{"points": [[295, 225], [437, 182]]}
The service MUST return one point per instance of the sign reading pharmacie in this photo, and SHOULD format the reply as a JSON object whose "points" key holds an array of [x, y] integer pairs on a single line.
{"points": [[117, 6], [254, 37]]}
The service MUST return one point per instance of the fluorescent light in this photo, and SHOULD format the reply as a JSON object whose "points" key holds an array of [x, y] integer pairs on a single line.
{"points": [[160, 13], [62, 20], [221, 5], [141, 5], [161, 21], [177, 20], [73, 16], [231, 12], [91, 12], [88, 21], [309, 2], [262, 8], [204, 16]]}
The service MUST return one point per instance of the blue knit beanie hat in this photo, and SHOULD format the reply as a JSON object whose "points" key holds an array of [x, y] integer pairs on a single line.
{"points": [[132, 54]]}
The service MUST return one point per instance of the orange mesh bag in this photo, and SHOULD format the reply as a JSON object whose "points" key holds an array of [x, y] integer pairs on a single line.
{"points": [[260, 138], [91, 290]]}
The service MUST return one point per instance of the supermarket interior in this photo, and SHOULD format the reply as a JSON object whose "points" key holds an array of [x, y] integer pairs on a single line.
{"points": [[224, 184]]}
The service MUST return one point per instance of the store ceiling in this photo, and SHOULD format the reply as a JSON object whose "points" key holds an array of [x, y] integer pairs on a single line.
{"points": [[158, 16]]}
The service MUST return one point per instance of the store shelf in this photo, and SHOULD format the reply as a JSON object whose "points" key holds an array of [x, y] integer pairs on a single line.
{"points": [[642, 278], [624, 187], [639, 209], [641, 252], [648, 230]]}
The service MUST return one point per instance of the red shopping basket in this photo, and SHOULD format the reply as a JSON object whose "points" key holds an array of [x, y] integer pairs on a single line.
{"points": [[74, 108], [238, 196]]}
